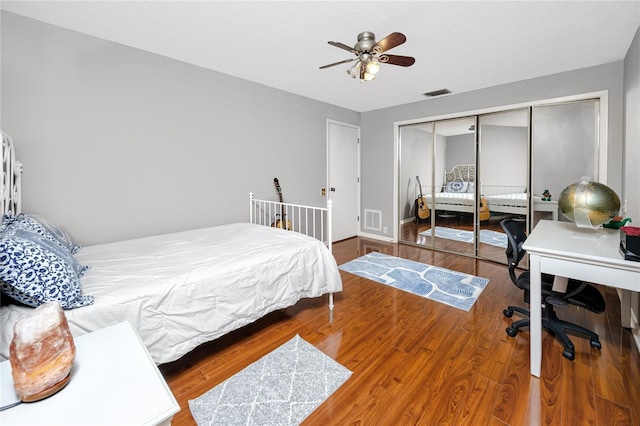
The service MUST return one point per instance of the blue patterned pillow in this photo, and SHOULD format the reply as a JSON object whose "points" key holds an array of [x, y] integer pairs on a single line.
{"points": [[41, 226], [34, 270], [59, 241], [457, 186]]}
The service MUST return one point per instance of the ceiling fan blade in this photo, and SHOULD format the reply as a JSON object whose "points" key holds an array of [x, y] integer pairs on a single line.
{"points": [[389, 42], [344, 46], [403, 61], [338, 63]]}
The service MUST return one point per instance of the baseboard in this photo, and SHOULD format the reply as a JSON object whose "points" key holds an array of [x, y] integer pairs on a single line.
{"points": [[384, 238]]}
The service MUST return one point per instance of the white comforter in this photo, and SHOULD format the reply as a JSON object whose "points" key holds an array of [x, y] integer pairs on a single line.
{"points": [[183, 289], [455, 198], [517, 199]]}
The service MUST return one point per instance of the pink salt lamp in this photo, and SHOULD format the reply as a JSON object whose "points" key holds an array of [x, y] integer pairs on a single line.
{"points": [[42, 352]]}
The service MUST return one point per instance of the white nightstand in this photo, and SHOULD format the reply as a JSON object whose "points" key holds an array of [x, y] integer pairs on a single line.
{"points": [[114, 381], [545, 206]]}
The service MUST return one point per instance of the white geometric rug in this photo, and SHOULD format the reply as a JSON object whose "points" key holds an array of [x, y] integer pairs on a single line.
{"points": [[494, 238], [452, 288], [281, 388]]}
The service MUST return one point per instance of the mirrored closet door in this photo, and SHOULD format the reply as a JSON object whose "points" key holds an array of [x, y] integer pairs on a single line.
{"points": [[454, 185], [460, 177], [473, 173], [437, 184], [469, 173], [416, 169], [503, 176], [564, 148]]}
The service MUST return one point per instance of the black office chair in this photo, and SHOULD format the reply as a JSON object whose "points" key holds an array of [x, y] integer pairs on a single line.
{"points": [[578, 293]]}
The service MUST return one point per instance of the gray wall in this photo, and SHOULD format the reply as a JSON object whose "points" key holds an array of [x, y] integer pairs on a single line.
{"points": [[378, 126], [631, 188], [118, 143]]}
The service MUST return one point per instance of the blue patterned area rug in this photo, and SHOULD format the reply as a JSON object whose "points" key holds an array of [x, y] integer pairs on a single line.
{"points": [[281, 388], [498, 239], [442, 285]]}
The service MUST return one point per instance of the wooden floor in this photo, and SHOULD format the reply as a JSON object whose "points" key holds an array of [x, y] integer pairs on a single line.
{"points": [[410, 233], [418, 362]]}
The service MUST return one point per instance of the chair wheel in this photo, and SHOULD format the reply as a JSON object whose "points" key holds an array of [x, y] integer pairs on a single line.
{"points": [[570, 355], [508, 313], [595, 344], [512, 331]]}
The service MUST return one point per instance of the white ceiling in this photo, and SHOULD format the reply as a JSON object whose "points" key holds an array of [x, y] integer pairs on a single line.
{"points": [[459, 45]]}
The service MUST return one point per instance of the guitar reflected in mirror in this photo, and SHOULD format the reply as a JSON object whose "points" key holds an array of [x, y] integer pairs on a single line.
{"points": [[483, 209], [422, 209]]}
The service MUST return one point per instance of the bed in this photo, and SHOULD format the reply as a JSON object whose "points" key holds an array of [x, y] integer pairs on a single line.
{"points": [[506, 199], [183, 289], [457, 194]]}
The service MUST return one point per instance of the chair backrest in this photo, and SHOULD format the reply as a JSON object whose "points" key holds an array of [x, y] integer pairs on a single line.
{"points": [[515, 238]]}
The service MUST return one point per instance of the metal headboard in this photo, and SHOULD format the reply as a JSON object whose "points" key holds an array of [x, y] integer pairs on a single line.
{"points": [[10, 189], [461, 172]]}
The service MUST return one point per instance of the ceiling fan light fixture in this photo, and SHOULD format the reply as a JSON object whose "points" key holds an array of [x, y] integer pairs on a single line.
{"points": [[373, 66], [367, 76], [354, 71]]}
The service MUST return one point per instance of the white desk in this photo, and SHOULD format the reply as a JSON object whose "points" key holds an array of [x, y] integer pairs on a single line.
{"points": [[114, 381], [561, 248]]}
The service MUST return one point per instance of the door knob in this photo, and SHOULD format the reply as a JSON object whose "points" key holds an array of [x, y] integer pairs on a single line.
{"points": [[333, 189]]}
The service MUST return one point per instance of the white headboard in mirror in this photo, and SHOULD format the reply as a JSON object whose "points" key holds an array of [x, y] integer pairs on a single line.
{"points": [[461, 172], [10, 189]]}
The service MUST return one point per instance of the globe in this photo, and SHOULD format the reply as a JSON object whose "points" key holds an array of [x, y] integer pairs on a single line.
{"points": [[589, 204]]}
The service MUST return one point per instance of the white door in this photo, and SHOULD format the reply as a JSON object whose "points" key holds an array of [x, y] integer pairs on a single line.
{"points": [[343, 177]]}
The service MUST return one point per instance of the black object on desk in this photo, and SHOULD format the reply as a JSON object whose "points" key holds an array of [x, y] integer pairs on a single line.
{"points": [[629, 245], [628, 255]]}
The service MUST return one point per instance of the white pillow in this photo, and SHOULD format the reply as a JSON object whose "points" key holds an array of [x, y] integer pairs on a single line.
{"points": [[471, 188]]}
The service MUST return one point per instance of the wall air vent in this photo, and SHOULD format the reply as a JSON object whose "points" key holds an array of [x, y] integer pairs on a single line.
{"points": [[437, 93], [373, 219]]}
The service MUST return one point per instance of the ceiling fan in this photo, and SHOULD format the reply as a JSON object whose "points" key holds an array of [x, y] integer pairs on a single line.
{"points": [[370, 54]]}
